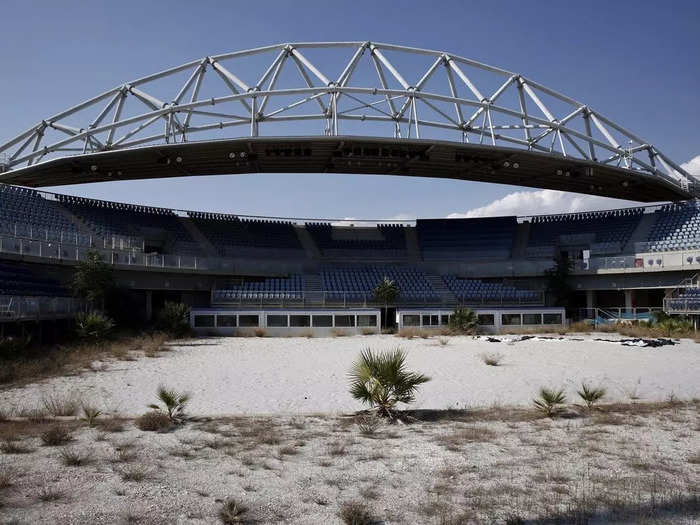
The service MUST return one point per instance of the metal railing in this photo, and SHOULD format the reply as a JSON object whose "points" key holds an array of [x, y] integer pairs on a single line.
{"points": [[31, 232], [612, 315], [17, 307], [359, 299]]}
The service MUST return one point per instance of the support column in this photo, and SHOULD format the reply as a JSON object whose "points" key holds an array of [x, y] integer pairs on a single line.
{"points": [[629, 300], [590, 299], [149, 305]]}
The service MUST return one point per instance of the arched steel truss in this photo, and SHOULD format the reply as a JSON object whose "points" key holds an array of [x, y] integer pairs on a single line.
{"points": [[448, 95]]}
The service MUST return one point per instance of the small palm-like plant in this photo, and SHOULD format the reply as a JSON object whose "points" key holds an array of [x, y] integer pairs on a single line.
{"points": [[232, 511], [550, 401], [464, 321], [386, 292], [90, 414], [381, 380], [173, 403], [590, 395]]}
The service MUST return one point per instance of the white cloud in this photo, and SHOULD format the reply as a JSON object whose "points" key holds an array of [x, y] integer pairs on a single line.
{"points": [[692, 166], [552, 201], [542, 202]]}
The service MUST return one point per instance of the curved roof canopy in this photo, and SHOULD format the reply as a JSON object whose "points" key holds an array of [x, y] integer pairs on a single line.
{"points": [[359, 107]]}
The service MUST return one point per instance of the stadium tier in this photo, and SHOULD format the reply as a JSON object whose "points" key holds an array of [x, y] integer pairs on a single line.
{"points": [[482, 238], [290, 287], [476, 291], [677, 227], [612, 229], [23, 210], [18, 280], [358, 283], [386, 239], [230, 234], [37, 215], [158, 227]]}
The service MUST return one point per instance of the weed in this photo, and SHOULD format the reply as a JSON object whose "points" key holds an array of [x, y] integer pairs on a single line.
{"points": [[154, 421], [71, 457], [56, 436], [232, 511], [355, 513]]}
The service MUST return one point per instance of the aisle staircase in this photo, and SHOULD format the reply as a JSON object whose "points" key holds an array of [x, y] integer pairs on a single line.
{"points": [[438, 285]]}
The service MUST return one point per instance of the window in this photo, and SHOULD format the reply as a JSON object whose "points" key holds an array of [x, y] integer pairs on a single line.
{"points": [[248, 320], [299, 320], [486, 319], [344, 320], [322, 321], [367, 320], [551, 318], [411, 320], [444, 320], [204, 321], [226, 321], [532, 318], [277, 321], [431, 320], [510, 319]]}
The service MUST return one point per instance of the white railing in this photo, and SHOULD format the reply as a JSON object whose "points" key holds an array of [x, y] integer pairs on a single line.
{"points": [[18, 307], [363, 299]]}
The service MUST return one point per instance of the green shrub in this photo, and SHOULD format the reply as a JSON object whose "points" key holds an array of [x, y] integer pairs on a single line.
{"points": [[382, 381], [173, 403], [550, 401], [174, 319], [93, 326], [590, 395], [464, 321]]}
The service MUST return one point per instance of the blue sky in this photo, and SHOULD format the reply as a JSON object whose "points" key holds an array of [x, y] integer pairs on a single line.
{"points": [[636, 62]]}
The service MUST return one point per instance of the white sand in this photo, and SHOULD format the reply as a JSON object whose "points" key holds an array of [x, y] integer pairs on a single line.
{"points": [[300, 375]]}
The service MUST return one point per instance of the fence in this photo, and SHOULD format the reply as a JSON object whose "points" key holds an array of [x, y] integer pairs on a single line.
{"points": [[17, 308], [301, 299]]}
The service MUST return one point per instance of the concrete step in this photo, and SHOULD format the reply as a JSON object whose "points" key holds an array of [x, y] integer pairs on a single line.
{"points": [[307, 242], [438, 284], [641, 232], [412, 246], [521, 240]]}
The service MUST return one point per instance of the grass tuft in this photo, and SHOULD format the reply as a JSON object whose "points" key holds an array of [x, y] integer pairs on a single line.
{"points": [[356, 513], [154, 421], [56, 436], [232, 511]]}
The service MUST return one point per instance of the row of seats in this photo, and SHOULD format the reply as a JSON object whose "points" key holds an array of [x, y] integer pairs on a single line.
{"points": [[360, 281], [381, 237], [475, 290], [107, 219], [474, 238], [17, 280], [23, 209], [677, 227], [605, 227], [25, 212], [290, 287], [228, 233]]}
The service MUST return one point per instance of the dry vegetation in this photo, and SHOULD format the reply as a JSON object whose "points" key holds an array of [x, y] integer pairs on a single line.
{"points": [[60, 360], [633, 462]]}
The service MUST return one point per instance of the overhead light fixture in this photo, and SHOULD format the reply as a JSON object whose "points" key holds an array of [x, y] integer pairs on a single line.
{"points": [[93, 167], [178, 159], [559, 172]]}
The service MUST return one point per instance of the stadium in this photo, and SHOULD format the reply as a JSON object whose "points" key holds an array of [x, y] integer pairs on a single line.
{"points": [[164, 365], [425, 114]]}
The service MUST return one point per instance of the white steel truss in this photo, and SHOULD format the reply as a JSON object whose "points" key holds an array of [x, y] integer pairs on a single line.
{"points": [[405, 99]]}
